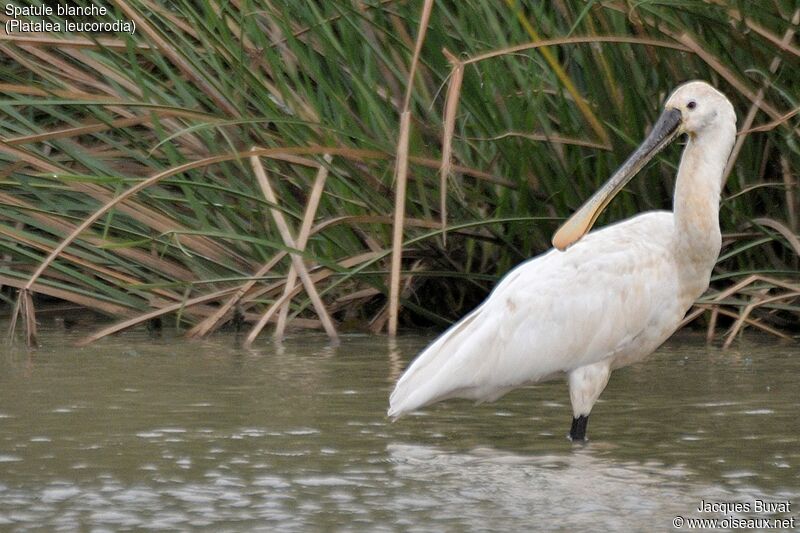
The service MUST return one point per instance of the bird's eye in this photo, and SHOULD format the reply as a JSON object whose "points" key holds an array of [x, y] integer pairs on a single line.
{"points": [[692, 104]]}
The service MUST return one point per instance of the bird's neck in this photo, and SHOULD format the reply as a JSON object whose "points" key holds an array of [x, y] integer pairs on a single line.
{"points": [[697, 193]]}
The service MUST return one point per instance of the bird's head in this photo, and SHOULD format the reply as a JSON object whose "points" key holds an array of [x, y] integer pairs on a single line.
{"points": [[694, 108], [702, 108]]}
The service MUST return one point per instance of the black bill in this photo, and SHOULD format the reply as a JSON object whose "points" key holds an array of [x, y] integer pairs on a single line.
{"points": [[576, 226]]}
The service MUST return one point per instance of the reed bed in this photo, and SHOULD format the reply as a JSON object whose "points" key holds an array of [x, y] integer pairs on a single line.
{"points": [[373, 164]]}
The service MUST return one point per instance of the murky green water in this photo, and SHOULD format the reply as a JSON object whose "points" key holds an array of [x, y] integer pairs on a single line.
{"points": [[133, 433]]}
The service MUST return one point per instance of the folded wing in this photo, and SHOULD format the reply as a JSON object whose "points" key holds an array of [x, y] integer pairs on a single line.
{"points": [[554, 313]]}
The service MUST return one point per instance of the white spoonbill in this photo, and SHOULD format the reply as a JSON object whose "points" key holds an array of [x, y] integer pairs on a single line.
{"points": [[607, 301]]}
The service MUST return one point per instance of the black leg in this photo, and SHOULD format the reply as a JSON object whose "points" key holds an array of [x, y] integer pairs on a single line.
{"points": [[578, 430]]}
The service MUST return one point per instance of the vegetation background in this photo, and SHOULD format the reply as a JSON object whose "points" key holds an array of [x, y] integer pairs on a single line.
{"points": [[128, 185]]}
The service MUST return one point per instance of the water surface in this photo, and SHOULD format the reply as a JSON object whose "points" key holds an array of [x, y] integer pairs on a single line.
{"points": [[134, 433]]}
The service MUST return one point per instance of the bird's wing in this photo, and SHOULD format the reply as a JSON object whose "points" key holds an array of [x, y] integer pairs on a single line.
{"points": [[554, 313]]}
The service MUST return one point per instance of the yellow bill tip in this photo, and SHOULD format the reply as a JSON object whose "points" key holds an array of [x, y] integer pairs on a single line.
{"points": [[578, 224]]}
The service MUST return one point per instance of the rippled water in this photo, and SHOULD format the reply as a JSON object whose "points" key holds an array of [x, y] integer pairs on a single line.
{"points": [[134, 433]]}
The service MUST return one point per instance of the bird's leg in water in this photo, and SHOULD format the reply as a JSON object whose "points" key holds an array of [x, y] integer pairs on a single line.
{"points": [[578, 429], [585, 385]]}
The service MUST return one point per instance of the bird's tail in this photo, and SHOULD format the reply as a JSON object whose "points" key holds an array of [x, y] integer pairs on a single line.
{"points": [[426, 380]]}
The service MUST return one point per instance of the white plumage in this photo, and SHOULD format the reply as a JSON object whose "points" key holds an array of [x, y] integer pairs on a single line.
{"points": [[608, 300]]}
